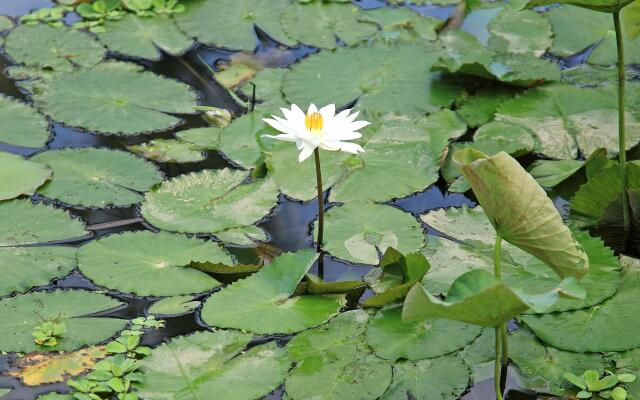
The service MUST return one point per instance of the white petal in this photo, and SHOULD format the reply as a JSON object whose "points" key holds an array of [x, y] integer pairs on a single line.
{"points": [[306, 152], [280, 125], [328, 112], [287, 138], [354, 126], [351, 147], [331, 146], [312, 109], [340, 136]]}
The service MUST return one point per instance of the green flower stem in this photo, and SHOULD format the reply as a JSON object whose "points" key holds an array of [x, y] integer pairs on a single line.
{"points": [[501, 330], [621, 123], [320, 239]]}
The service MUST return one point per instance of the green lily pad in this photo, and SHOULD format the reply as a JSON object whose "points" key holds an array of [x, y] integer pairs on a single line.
{"points": [[473, 248], [520, 32], [169, 150], [230, 23], [195, 366], [237, 141], [566, 119], [332, 362], [443, 378], [352, 234], [322, 24], [520, 211], [175, 305], [479, 108], [150, 264], [401, 157], [21, 124], [392, 338], [377, 75], [463, 53], [144, 37], [25, 267], [550, 173], [136, 101], [28, 223], [60, 49], [6, 23], [20, 176], [243, 236], [262, 303], [94, 177], [268, 95], [611, 326], [205, 138], [597, 5], [402, 25], [23, 313], [209, 201], [629, 362]]}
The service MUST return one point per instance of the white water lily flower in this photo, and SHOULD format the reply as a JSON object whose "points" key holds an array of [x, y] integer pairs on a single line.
{"points": [[318, 128]]}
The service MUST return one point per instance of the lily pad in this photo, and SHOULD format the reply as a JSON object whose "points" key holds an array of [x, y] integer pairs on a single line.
{"points": [[195, 366], [322, 24], [520, 32], [169, 150], [353, 235], [566, 119], [334, 363], [144, 37], [23, 313], [377, 75], [150, 264], [20, 176], [550, 173], [629, 362], [403, 25], [136, 101], [610, 326], [175, 305], [205, 138], [94, 177], [473, 248], [392, 338], [209, 201], [57, 48], [444, 378], [401, 157], [268, 95], [479, 108], [609, 6], [25, 267], [262, 303], [28, 223], [230, 23], [21, 124]]}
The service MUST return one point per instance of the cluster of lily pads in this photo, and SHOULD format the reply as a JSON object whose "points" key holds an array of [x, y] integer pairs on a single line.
{"points": [[462, 102]]}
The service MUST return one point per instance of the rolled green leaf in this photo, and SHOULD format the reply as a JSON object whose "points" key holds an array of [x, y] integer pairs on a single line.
{"points": [[520, 211]]}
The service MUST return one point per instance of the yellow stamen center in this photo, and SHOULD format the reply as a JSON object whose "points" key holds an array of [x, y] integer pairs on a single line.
{"points": [[313, 122]]}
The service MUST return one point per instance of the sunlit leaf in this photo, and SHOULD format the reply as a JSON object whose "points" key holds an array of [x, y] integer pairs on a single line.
{"points": [[20, 176]]}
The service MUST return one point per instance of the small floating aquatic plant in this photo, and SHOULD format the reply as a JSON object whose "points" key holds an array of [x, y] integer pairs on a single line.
{"points": [[315, 130]]}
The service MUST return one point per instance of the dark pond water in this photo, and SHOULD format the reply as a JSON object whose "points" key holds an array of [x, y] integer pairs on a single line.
{"points": [[289, 224]]}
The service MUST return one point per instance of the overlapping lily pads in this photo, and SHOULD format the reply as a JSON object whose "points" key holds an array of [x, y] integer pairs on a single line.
{"points": [[203, 363], [94, 177], [352, 233], [398, 25], [135, 102], [23, 313], [169, 150], [48, 47], [20, 176], [520, 32], [262, 303], [21, 124], [230, 23], [150, 264], [376, 75], [209, 201], [144, 37]]}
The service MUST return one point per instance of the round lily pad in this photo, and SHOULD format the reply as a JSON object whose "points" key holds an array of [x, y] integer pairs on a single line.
{"points": [[443, 378], [262, 303], [169, 150], [393, 339], [356, 231], [613, 325], [321, 24], [20, 176], [22, 125], [377, 75], [23, 313], [94, 177], [520, 31], [25, 267], [57, 48], [209, 201], [203, 363], [28, 223], [150, 264], [135, 102], [230, 23], [144, 37]]}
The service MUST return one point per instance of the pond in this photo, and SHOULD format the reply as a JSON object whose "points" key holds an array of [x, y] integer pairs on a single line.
{"points": [[139, 192]]}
